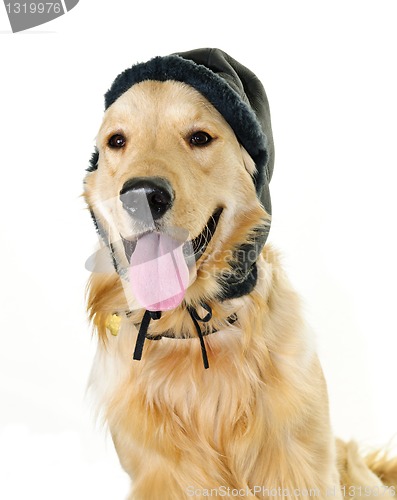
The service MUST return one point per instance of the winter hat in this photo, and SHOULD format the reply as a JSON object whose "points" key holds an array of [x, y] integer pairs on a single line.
{"points": [[230, 87]]}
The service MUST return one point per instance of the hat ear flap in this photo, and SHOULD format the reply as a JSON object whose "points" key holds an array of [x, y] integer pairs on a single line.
{"points": [[249, 163], [264, 194]]}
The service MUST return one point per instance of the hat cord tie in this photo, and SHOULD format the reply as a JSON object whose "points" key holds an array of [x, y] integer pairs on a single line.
{"points": [[155, 315]]}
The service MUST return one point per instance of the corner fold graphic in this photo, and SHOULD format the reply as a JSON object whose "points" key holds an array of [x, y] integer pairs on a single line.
{"points": [[26, 15], [69, 4]]}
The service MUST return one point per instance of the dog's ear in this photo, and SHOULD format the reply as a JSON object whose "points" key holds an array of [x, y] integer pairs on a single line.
{"points": [[249, 163]]}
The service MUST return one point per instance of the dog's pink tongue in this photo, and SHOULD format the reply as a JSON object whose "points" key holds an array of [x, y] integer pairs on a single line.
{"points": [[158, 272]]}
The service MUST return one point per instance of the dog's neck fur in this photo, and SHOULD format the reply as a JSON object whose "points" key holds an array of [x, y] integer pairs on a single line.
{"points": [[252, 312]]}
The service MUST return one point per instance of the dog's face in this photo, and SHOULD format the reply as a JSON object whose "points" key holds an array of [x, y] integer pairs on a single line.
{"points": [[165, 142]]}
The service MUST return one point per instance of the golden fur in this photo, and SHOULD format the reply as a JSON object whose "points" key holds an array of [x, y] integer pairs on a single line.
{"points": [[258, 417]]}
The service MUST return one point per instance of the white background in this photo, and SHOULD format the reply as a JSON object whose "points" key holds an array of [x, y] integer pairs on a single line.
{"points": [[329, 68]]}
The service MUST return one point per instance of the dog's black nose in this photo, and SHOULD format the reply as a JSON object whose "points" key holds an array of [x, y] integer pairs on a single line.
{"points": [[158, 193]]}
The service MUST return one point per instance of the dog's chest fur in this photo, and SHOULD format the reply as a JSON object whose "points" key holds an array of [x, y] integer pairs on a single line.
{"points": [[237, 419]]}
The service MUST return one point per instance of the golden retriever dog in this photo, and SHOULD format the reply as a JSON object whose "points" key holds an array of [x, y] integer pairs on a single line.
{"points": [[225, 395]]}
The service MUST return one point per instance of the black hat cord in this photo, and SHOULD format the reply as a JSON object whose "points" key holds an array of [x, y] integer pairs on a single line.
{"points": [[155, 315]]}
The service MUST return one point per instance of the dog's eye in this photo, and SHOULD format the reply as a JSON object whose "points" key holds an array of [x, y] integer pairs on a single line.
{"points": [[200, 139], [117, 141]]}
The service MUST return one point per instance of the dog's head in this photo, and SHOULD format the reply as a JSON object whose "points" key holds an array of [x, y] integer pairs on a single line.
{"points": [[172, 175]]}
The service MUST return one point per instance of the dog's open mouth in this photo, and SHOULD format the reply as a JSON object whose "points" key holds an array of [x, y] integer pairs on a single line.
{"points": [[201, 242], [198, 244], [162, 264]]}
